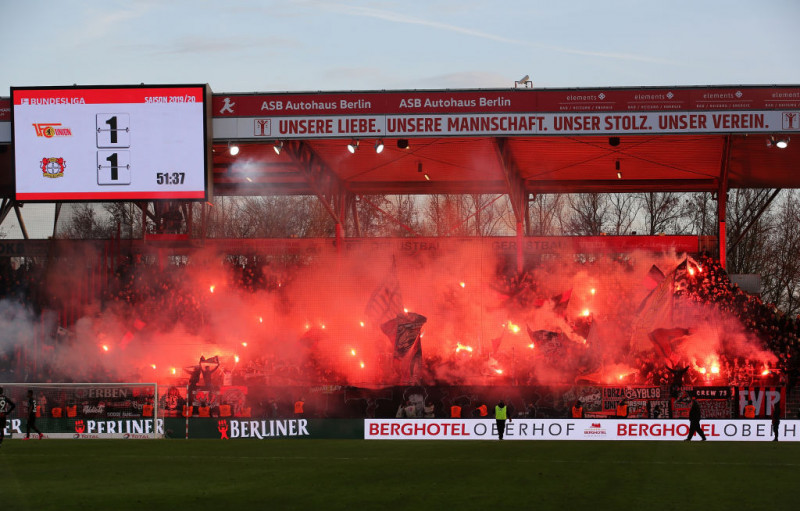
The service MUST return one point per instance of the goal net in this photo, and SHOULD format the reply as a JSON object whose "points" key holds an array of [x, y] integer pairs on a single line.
{"points": [[83, 410]]}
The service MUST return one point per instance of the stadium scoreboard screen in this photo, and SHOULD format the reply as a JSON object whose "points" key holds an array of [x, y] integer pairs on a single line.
{"points": [[110, 143]]}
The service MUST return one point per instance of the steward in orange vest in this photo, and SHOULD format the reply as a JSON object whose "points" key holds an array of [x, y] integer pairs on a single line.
{"points": [[577, 410], [749, 410], [298, 406], [483, 411], [455, 412], [622, 409]]}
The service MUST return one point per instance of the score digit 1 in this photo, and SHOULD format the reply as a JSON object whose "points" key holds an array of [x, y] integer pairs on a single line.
{"points": [[113, 130], [113, 167]]}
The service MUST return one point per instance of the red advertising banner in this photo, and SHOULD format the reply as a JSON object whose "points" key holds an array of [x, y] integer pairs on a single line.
{"points": [[422, 102], [513, 112], [5, 109]]}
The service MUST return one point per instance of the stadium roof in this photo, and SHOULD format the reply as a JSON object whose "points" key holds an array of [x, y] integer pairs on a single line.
{"points": [[543, 164], [483, 141], [516, 141]]}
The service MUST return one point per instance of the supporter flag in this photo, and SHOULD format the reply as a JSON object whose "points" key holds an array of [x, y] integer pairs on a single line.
{"points": [[138, 324], [497, 340], [658, 311], [595, 335], [126, 339], [655, 311], [386, 301], [653, 278], [548, 342], [665, 340], [559, 302], [209, 363], [405, 330]]}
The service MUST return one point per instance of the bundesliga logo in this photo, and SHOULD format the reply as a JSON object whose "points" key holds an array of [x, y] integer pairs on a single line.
{"points": [[53, 167]]}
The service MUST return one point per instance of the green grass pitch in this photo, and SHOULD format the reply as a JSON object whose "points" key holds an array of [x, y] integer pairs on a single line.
{"points": [[363, 475]]}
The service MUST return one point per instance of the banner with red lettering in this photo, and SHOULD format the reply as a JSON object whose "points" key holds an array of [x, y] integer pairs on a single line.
{"points": [[576, 429], [518, 112]]}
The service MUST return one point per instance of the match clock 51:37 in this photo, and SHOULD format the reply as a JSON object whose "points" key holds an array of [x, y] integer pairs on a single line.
{"points": [[170, 178]]}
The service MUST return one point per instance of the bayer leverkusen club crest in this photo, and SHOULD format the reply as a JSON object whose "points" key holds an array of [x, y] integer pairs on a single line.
{"points": [[53, 167]]}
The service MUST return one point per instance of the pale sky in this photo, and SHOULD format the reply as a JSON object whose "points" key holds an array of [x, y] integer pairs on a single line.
{"points": [[309, 45], [302, 45]]}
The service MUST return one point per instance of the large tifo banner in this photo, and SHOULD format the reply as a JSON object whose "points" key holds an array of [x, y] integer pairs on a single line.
{"points": [[576, 429]]}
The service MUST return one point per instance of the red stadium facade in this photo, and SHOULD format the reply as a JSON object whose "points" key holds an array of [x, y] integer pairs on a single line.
{"points": [[488, 317]]}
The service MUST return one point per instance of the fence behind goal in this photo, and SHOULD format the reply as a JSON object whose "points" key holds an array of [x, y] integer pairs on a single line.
{"points": [[84, 410]]}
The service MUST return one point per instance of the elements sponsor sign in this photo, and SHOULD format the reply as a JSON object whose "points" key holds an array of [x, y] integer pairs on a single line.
{"points": [[110, 143], [576, 429]]}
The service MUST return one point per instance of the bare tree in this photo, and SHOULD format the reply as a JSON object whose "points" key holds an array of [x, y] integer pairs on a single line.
{"points": [[589, 214], [444, 216], [701, 212], [370, 214], [781, 271], [622, 209], [403, 216], [663, 212], [490, 214], [747, 235], [547, 214], [85, 221]]}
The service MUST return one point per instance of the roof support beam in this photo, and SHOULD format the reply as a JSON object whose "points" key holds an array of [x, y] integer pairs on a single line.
{"points": [[55, 218], [514, 182], [624, 185], [325, 184], [20, 220], [5, 208], [722, 199]]}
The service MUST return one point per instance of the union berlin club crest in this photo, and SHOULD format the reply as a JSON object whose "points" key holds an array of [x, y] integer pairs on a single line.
{"points": [[53, 167]]}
